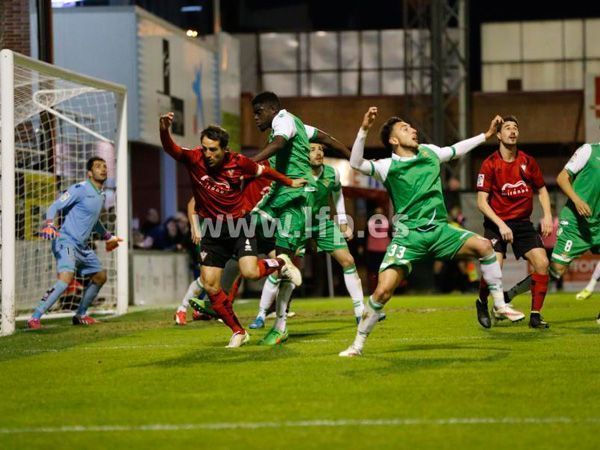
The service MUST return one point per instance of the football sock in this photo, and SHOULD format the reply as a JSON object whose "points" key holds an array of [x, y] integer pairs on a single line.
{"points": [[235, 287], [267, 296], [91, 291], [368, 321], [195, 290], [492, 274], [49, 298], [539, 287], [484, 292], [230, 273], [354, 286], [521, 287], [283, 297], [222, 306], [268, 266], [595, 278]]}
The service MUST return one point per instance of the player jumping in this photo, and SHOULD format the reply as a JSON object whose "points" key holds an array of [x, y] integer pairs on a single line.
{"points": [[412, 178]]}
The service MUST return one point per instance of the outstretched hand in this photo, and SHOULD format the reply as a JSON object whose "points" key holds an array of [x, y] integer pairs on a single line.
{"points": [[369, 118], [493, 126], [299, 182], [166, 120]]}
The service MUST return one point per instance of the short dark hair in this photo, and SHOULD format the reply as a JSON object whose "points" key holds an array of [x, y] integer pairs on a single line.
{"points": [[267, 98], [509, 118], [216, 133], [91, 161], [386, 130]]}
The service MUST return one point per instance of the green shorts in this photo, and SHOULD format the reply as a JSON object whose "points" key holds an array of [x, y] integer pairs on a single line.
{"points": [[575, 237], [443, 242], [327, 235], [288, 209]]}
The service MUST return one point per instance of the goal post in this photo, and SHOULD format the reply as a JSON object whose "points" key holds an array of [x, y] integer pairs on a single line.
{"points": [[52, 121]]}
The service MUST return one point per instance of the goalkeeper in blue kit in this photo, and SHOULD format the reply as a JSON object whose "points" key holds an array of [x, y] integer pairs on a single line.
{"points": [[81, 206]]}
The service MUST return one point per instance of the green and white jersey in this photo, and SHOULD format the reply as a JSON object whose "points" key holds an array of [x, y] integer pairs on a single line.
{"points": [[328, 185], [415, 188], [413, 183], [584, 169], [293, 159]]}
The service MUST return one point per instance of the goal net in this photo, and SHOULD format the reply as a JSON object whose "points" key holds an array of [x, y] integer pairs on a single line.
{"points": [[52, 121]]}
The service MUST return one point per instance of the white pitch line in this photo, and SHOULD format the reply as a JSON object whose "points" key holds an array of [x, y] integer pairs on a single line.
{"points": [[307, 424]]}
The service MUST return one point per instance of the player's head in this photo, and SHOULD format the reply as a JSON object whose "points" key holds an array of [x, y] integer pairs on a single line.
{"points": [[507, 131], [266, 105], [396, 132], [97, 169], [317, 152], [214, 140]]}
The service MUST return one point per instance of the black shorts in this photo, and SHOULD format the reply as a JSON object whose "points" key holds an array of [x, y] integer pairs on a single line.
{"points": [[216, 248], [525, 237]]}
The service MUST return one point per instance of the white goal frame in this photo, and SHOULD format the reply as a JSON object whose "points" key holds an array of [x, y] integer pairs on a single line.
{"points": [[8, 61]]}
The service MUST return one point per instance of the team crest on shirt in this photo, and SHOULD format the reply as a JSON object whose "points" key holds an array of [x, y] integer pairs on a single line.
{"points": [[230, 172], [523, 167]]}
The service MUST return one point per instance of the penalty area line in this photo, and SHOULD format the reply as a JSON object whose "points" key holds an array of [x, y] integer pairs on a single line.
{"points": [[324, 423]]}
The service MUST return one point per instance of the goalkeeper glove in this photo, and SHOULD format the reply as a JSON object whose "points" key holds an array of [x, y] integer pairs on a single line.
{"points": [[49, 231], [112, 242]]}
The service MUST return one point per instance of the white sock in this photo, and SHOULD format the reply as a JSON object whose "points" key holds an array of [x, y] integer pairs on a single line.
{"points": [[283, 298], [354, 286], [492, 274], [268, 295], [595, 277], [195, 289], [369, 319]]}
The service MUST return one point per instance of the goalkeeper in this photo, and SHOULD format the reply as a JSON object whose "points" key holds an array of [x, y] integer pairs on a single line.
{"points": [[80, 205]]}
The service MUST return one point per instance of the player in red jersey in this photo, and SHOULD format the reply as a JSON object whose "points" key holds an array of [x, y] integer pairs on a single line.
{"points": [[506, 184], [217, 177]]}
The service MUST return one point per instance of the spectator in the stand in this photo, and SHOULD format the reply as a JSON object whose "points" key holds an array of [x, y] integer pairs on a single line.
{"points": [[169, 237], [378, 238], [151, 230]]}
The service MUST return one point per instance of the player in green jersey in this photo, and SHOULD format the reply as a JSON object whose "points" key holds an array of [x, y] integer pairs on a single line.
{"points": [[288, 145], [329, 237], [421, 229], [579, 220]]}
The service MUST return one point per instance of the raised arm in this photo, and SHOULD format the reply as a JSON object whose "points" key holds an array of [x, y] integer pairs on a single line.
{"points": [[168, 144], [252, 169], [357, 162], [463, 147]]}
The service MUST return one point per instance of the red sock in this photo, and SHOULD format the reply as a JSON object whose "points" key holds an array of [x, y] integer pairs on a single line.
{"points": [[223, 308], [484, 291], [539, 287], [234, 289], [268, 266]]}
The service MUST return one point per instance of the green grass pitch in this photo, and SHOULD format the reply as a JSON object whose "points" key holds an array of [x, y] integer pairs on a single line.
{"points": [[431, 377]]}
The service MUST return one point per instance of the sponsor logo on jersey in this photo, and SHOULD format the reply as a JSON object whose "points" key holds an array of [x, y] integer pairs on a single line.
{"points": [[511, 190], [480, 180], [65, 197], [218, 186]]}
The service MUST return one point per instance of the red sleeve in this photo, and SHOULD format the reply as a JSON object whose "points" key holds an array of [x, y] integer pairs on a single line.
{"points": [[537, 178], [485, 177], [176, 152], [249, 168], [272, 174]]}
